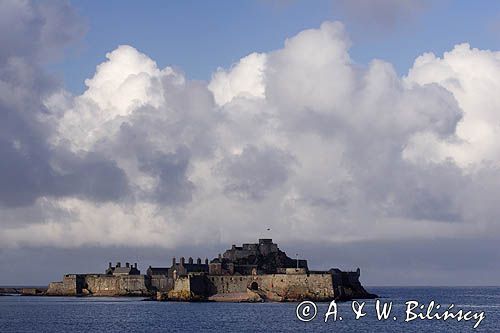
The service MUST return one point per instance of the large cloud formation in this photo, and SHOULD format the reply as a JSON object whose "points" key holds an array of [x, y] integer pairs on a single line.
{"points": [[301, 140], [31, 167]]}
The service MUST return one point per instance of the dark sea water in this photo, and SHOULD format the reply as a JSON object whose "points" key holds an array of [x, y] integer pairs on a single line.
{"points": [[67, 314]]}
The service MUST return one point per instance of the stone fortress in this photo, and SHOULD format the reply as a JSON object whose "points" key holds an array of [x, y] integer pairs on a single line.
{"points": [[251, 272]]}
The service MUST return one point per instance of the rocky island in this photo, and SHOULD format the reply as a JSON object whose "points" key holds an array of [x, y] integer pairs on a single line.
{"points": [[248, 273]]}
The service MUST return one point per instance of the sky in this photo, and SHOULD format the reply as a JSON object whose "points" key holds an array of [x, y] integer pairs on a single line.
{"points": [[198, 37], [361, 133]]}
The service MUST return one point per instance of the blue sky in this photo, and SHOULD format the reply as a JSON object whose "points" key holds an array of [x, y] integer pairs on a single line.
{"points": [[199, 36]]}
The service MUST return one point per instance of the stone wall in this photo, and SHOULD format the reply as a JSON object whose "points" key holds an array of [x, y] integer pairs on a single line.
{"points": [[71, 285], [161, 283], [56, 288], [277, 287], [123, 285], [192, 287], [133, 285], [199, 285], [101, 285], [181, 290], [228, 284]]}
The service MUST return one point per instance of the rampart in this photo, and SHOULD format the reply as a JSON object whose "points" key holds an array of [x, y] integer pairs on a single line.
{"points": [[277, 287]]}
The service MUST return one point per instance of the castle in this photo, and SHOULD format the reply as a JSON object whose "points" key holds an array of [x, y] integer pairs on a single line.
{"points": [[251, 272]]}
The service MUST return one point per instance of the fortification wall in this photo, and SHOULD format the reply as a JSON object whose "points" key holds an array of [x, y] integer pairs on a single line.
{"points": [[71, 283], [229, 284], [100, 285], [161, 283], [181, 290], [56, 288], [123, 285], [189, 288], [69, 286], [199, 285], [134, 284], [277, 287]]}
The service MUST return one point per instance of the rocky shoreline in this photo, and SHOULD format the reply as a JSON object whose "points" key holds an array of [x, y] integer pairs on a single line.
{"points": [[23, 291], [250, 296]]}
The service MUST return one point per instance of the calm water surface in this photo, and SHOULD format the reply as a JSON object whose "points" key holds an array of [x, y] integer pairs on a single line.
{"points": [[66, 314]]}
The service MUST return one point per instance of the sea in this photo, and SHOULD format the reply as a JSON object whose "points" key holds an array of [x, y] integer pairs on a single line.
{"points": [[96, 314]]}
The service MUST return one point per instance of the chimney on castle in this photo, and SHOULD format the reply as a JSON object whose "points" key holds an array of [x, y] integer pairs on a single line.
{"points": [[183, 261], [174, 261], [135, 265], [118, 264], [109, 265], [198, 261], [127, 265], [206, 261], [220, 256], [190, 260]]}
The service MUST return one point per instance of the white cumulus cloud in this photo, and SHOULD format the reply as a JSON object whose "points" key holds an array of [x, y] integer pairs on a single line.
{"points": [[300, 139]]}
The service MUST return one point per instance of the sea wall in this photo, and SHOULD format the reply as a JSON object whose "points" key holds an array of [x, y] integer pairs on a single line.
{"points": [[100, 285], [193, 287], [71, 285], [56, 288], [277, 287], [181, 290], [109, 285], [162, 283]]}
